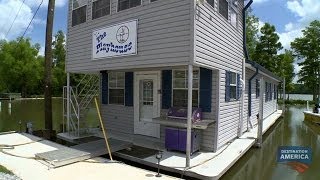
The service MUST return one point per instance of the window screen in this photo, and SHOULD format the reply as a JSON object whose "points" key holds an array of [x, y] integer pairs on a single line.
{"points": [[100, 8], [126, 4], [223, 8]]}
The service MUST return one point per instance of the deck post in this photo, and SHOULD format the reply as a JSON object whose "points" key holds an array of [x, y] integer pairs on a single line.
{"points": [[68, 102], [260, 116], [189, 121]]}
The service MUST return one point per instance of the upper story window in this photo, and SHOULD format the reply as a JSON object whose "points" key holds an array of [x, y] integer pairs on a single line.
{"points": [[116, 88], [79, 11], [224, 8], [211, 2], [126, 4], [180, 88], [234, 18], [100, 8]]}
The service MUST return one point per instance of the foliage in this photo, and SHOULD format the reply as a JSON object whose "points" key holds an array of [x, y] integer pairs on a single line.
{"points": [[59, 57], [267, 48], [284, 68], [4, 170], [307, 48], [252, 29], [20, 66], [300, 89]]}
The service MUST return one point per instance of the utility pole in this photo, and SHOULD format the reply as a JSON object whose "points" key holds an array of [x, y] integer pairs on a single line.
{"points": [[48, 66]]}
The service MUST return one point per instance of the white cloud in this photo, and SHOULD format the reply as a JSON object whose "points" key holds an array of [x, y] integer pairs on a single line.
{"points": [[9, 9], [35, 3], [305, 11]]}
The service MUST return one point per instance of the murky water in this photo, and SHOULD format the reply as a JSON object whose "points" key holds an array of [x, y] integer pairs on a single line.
{"points": [[261, 164], [257, 164], [32, 110]]}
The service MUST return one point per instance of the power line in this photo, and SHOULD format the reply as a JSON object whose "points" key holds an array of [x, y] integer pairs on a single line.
{"points": [[32, 19], [15, 18], [3, 27]]}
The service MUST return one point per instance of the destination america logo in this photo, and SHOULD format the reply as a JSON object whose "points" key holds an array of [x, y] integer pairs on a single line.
{"points": [[297, 157]]}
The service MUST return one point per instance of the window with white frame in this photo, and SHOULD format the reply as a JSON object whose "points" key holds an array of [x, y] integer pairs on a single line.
{"points": [[126, 4], [234, 17], [116, 87], [180, 88], [224, 8], [79, 12], [100, 8], [211, 2], [233, 85]]}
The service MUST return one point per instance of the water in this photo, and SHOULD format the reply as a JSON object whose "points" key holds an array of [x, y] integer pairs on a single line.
{"points": [[32, 110], [255, 164], [262, 163], [306, 97]]}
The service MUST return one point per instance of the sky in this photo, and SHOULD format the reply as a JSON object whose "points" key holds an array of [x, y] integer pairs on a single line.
{"points": [[288, 16]]}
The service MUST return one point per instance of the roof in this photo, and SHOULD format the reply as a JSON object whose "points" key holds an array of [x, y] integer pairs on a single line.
{"points": [[262, 69]]}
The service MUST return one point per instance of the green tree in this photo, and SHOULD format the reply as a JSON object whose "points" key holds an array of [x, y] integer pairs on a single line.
{"points": [[252, 29], [20, 67], [284, 68], [307, 49], [267, 47], [59, 56]]}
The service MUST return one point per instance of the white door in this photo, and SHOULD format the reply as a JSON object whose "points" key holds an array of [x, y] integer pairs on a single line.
{"points": [[146, 103]]}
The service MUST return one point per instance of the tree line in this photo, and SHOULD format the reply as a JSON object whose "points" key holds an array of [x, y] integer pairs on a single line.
{"points": [[265, 48], [22, 68]]}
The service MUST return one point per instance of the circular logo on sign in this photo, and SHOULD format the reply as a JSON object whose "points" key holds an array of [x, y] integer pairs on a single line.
{"points": [[123, 34]]}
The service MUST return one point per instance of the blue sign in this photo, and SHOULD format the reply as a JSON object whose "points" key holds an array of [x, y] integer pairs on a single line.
{"points": [[294, 154]]}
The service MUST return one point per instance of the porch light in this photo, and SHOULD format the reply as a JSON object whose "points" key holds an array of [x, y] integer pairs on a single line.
{"points": [[159, 157]]}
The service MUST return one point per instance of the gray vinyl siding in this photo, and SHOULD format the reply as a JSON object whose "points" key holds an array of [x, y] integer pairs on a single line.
{"points": [[119, 120], [229, 116], [163, 37], [269, 107], [217, 43]]}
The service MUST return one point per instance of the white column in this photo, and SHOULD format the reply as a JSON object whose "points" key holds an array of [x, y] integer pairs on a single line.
{"points": [[260, 119], [189, 122], [68, 102], [243, 87]]}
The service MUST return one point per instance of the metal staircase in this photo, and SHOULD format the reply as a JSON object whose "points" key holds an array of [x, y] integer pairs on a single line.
{"points": [[80, 98]]}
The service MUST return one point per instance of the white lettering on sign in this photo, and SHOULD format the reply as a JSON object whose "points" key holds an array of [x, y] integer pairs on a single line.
{"points": [[116, 40]]}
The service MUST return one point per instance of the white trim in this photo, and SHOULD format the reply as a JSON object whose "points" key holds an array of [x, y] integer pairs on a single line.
{"points": [[126, 9], [124, 88], [136, 91], [101, 16], [172, 78]]}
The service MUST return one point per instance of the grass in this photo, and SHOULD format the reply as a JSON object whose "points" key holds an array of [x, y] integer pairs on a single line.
{"points": [[5, 170]]}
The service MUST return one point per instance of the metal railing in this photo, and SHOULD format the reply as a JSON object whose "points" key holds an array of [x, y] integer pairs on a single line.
{"points": [[88, 88]]}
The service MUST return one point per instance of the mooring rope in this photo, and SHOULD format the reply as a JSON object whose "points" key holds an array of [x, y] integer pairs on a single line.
{"points": [[8, 145]]}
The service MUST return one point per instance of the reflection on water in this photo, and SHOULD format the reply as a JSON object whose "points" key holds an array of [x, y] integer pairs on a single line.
{"points": [[32, 110], [262, 163]]}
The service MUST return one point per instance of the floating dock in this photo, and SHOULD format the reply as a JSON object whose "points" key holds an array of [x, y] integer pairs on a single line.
{"points": [[21, 160], [310, 116]]}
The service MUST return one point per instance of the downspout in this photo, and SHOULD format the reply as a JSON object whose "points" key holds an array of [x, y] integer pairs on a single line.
{"points": [[246, 54]]}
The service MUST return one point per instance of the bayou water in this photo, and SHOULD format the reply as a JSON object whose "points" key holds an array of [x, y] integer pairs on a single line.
{"points": [[256, 164]]}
